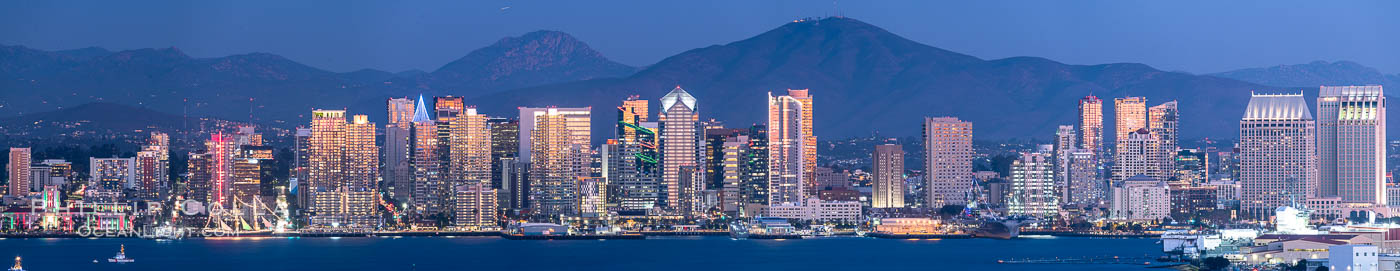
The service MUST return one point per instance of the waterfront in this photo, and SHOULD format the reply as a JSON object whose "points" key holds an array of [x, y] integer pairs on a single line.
{"points": [[491, 253]]}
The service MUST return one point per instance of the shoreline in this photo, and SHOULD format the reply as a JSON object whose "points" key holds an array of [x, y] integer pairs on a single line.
{"points": [[628, 236]]}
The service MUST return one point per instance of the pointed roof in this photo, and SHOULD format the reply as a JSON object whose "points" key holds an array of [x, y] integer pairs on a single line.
{"points": [[420, 114], [677, 95]]}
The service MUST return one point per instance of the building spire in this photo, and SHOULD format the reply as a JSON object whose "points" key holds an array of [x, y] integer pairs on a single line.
{"points": [[420, 114]]}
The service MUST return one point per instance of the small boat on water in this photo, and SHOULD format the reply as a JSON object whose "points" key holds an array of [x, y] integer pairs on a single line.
{"points": [[17, 267], [121, 257]]}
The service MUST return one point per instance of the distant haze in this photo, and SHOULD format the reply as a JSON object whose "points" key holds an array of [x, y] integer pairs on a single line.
{"points": [[1192, 36]]}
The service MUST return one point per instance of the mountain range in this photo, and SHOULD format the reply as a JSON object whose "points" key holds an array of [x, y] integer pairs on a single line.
{"points": [[1313, 74], [863, 79]]}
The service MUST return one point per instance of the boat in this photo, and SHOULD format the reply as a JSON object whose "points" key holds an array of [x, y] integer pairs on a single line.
{"points": [[17, 267], [121, 257]]}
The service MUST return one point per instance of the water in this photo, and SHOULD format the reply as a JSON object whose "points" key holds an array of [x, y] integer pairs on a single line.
{"points": [[489, 253]]}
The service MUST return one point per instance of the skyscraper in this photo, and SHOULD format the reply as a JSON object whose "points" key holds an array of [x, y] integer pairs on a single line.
{"points": [[1351, 143], [1278, 154], [576, 120], [470, 147], [1085, 187], [1033, 186], [634, 169], [221, 149], [1091, 124], [344, 165], [1134, 157], [555, 160], [947, 160], [427, 159], [20, 160], [1065, 140], [753, 189], [109, 176], [809, 141], [788, 175], [1162, 122], [398, 173], [732, 153], [1129, 114], [887, 170], [148, 167], [680, 148]]}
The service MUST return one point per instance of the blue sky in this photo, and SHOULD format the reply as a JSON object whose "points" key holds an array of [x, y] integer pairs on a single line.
{"points": [[1192, 36]]}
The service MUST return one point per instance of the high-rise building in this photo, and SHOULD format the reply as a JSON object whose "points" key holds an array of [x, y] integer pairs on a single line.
{"points": [[148, 168], [753, 189], [633, 168], [732, 154], [221, 150], [1033, 186], [887, 174], [680, 148], [788, 136], [159, 146], [809, 141], [109, 177], [398, 173], [474, 207], [715, 138], [1135, 156], [1085, 187], [1129, 114], [947, 160], [576, 120], [427, 160], [1351, 143], [200, 179], [1162, 122], [555, 159], [470, 149], [344, 168], [505, 145], [1278, 153], [1065, 139], [1091, 124], [1140, 198], [300, 170], [20, 160]]}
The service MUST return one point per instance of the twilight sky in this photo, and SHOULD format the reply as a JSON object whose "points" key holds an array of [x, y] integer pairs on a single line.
{"points": [[1192, 36]]}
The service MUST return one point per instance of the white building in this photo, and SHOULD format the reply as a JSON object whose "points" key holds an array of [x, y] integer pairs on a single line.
{"points": [[1353, 258], [1278, 154], [818, 210], [1141, 198], [948, 160], [1033, 186]]}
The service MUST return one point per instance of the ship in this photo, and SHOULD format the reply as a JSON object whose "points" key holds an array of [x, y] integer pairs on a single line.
{"points": [[18, 266], [121, 257]]}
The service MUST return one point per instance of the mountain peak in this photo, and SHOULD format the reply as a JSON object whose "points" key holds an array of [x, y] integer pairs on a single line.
{"points": [[1312, 74], [535, 58]]}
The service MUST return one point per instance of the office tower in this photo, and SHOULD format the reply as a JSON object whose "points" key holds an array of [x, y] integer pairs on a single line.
{"points": [[1351, 143], [159, 145], [887, 172], [1278, 154], [148, 167], [20, 160], [474, 207], [504, 144], [516, 194], [344, 169], [1085, 188], [715, 138], [788, 175], [245, 180], [1129, 114], [947, 160], [1134, 157], [576, 121], [1091, 124], [1162, 122], [732, 152], [680, 147], [300, 169], [1065, 140], [200, 177], [753, 189], [555, 159], [1192, 166], [109, 177], [221, 149], [427, 161], [1140, 198], [809, 141], [398, 173], [634, 112], [1033, 186], [634, 169], [592, 197]]}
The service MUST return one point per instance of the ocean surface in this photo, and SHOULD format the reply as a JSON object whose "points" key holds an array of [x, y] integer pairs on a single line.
{"points": [[490, 253]]}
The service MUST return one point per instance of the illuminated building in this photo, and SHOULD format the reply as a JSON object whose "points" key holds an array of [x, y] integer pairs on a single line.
{"points": [[18, 168], [398, 173], [109, 177], [1129, 114], [1134, 157], [633, 162], [1091, 124], [148, 167], [470, 149], [556, 160], [344, 170], [1278, 154], [680, 148], [199, 182], [592, 196], [787, 138], [1351, 143], [246, 179], [504, 144], [732, 154], [1085, 187], [576, 121], [1162, 122], [887, 166], [300, 168], [474, 207], [1033, 186], [221, 149], [1064, 146], [753, 189], [948, 160], [427, 161], [1140, 198]]}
